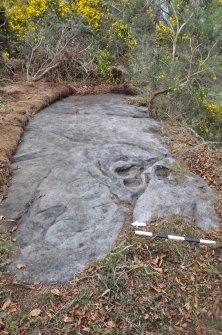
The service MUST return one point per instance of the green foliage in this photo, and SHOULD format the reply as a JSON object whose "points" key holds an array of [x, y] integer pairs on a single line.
{"points": [[11, 325], [7, 249], [182, 53], [35, 27], [4, 31]]}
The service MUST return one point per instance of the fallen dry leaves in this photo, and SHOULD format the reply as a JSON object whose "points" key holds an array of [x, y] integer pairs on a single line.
{"points": [[35, 312], [9, 307], [6, 304], [56, 292], [67, 319]]}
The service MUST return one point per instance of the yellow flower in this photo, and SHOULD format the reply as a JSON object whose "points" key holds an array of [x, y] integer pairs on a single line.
{"points": [[91, 12], [22, 14], [173, 21], [5, 55], [185, 36]]}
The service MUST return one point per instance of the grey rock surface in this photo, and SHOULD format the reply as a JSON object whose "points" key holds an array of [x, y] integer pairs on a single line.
{"points": [[80, 162], [168, 194]]}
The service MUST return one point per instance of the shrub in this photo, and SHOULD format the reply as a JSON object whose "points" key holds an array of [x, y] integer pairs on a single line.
{"points": [[181, 57]]}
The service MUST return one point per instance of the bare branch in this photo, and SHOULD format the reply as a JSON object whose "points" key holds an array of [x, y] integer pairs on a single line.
{"points": [[52, 55], [41, 75]]}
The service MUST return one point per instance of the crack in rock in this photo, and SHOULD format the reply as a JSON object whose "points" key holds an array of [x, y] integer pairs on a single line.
{"points": [[80, 163]]}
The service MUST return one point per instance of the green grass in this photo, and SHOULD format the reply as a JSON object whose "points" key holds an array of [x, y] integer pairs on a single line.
{"points": [[2, 104], [215, 95], [7, 249], [12, 326]]}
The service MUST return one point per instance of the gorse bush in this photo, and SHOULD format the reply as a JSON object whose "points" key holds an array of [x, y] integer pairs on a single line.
{"points": [[34, 26], [181, 56], [26, 15]]}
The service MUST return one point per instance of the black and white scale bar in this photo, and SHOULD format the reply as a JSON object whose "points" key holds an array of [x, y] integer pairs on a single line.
{"points": [[174, 237]]}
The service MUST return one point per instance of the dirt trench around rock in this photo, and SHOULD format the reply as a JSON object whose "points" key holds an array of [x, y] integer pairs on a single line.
{"points": [[81, 162]]}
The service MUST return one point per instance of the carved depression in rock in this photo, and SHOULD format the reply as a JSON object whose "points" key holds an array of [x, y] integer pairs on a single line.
{"points": [[80, 162]]}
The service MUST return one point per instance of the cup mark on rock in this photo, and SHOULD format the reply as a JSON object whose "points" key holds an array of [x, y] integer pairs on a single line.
{"points": [[162, 172]]}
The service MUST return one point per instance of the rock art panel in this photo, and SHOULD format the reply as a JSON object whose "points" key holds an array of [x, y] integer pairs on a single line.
{"points": [[168, 195], [81, 161]]}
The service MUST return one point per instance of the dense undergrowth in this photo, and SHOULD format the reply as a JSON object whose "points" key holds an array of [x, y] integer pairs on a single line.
{"points": [[169, 49]]}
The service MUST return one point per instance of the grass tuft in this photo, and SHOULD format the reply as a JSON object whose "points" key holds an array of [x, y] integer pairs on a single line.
{"points": [[7, 249]]}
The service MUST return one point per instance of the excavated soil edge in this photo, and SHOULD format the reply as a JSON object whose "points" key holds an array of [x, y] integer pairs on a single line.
{"points": [[19, 102]]}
